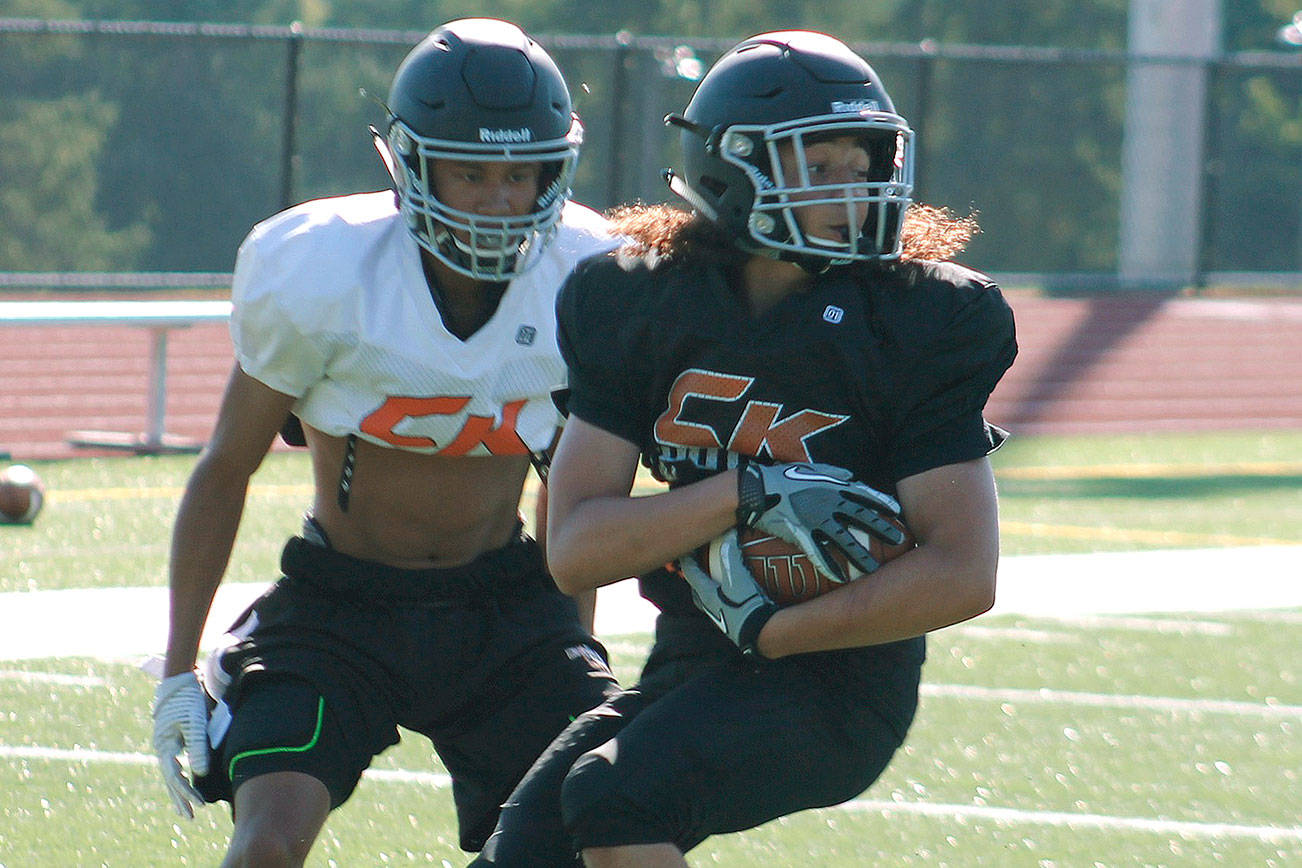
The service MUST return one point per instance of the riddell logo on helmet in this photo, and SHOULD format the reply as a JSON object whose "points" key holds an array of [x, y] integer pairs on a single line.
{"points": [[855, 105], [523, 134]]}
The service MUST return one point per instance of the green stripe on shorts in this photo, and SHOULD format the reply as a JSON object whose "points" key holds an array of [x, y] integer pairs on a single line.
{"points": [[316, 734]]}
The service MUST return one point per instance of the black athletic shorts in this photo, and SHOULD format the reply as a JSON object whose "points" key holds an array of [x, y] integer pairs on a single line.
{"points": [[711, 742], [488, 660]]}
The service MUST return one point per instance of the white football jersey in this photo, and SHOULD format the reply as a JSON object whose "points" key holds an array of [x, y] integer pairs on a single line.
{"points": [[331, 305]]}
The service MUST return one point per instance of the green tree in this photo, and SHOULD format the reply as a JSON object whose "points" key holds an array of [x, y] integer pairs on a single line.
{"points": [[181, 140], [51, 220]]}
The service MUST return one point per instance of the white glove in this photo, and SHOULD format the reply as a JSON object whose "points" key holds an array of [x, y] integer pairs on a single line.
{"points": [[181, 723]]}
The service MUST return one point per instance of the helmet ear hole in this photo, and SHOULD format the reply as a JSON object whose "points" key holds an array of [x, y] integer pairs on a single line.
{"points": [[881, 156], [883, 221], [715, 186]]}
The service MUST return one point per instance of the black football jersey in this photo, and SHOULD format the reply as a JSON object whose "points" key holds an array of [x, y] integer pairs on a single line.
{"points": [[884, 372]]}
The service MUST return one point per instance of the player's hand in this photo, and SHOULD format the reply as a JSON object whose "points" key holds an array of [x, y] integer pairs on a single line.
{"points": [[814, 506], [181, 723], [734, 601]]}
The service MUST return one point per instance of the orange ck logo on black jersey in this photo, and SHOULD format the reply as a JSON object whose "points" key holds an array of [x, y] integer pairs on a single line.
{"points": [[757, 429]]}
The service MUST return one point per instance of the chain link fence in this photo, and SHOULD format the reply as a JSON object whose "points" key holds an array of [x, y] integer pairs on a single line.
{"points": [[140, 147]]}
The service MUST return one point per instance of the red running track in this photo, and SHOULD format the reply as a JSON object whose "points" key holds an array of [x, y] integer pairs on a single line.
{"points": [[1105, 364]]}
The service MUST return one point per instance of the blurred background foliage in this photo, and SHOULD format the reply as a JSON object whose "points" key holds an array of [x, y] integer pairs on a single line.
{"points": [[157, 152]]}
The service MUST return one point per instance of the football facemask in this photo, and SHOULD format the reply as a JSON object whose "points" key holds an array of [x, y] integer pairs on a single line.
{"points": [[490, 248], [874, 207]]}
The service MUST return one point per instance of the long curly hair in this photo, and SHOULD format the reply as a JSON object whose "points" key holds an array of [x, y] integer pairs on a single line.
{"points": [[670, 232]]}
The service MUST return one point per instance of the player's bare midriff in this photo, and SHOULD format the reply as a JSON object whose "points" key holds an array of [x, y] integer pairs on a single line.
{"points": [[415, 510]]}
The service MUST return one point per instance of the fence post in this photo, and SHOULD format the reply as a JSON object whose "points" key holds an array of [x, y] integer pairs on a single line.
{"points": [[1169, 44], [294, 47], [926, 75], [619, 126], [1208, 180]]}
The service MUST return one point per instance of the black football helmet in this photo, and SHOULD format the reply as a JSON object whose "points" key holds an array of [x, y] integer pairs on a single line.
{"points": [[793, 88], [480, 89]]}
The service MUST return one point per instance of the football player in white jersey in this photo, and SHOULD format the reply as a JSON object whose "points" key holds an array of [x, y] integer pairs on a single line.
{"points": [[413, 334]]}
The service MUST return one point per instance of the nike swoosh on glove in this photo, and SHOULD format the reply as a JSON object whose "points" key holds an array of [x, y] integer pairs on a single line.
{"points": [[734, 601], [181, 724]]}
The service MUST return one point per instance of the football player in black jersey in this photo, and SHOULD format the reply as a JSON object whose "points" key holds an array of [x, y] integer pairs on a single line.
{"points": [[795, 353]]}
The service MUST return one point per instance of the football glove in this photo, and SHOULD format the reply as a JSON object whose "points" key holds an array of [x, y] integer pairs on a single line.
{"points": [[814, 506], [734, 601], [181, 723]]}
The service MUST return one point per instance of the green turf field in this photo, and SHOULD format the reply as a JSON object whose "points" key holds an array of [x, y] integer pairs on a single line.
{"points": [[1166, 740], [107, 520]]}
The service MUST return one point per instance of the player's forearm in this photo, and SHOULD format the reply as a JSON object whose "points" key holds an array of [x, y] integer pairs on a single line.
{"points": [[587, 603], [202, 538], [924, 590], [953, 513], [585, 600], [606, 539]]}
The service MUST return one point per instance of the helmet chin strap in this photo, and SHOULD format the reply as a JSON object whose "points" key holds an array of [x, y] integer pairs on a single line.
{"points": [[854, 232], [386, 155], [811, 264], [468, 249], [682, 189], [451, 246]]}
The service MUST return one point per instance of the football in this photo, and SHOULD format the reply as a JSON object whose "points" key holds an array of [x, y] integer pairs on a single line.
{"points": [[22, 494], [787, 574]]}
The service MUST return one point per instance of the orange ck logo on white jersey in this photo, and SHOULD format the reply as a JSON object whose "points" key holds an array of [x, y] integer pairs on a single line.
{"points": [[758, 430], [497, 439]]}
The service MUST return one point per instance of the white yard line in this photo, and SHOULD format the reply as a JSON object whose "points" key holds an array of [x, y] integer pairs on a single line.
{"points": [[1133, 583], [1003, 816], [976, 693], [52, 678], [1024, 635], [1177, 626], [1164, 704], [124, 623], [1107, 822], [1292, 618], [76, 755], [88, 756]]}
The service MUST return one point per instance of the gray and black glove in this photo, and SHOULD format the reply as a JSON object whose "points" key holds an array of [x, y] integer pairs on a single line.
{"points": [[814, 506], [734, 601]]}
